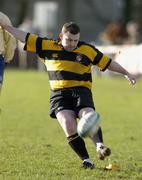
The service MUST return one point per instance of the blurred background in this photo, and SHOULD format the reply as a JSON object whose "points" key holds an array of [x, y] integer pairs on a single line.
{"points": [[114, 26]]}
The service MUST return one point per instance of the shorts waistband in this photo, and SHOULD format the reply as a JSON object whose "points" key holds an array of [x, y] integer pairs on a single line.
{"points": [[70, 88]]}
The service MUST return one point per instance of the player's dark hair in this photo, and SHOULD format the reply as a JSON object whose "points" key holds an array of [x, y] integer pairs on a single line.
{"points": [[71, 27]]}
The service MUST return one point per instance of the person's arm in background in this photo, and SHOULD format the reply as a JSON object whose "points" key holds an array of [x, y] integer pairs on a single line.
{"points": [[114, 66], [9, 41], [10, 46]]}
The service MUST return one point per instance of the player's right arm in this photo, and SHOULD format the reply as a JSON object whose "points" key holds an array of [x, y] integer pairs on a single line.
{"points": [[18, 34]]}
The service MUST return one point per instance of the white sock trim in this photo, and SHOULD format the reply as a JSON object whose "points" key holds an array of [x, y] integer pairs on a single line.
{"points": [[88, 160], [99, 145]]}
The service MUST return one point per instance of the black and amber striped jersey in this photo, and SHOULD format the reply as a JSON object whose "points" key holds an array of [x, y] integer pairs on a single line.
{"points": [[67, 69]]}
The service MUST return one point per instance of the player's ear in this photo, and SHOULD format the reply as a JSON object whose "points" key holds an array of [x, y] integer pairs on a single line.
{"points": [[61, 36]]}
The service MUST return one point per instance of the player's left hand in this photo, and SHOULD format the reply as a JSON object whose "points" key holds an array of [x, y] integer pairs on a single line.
{"points": [[131, 79]]}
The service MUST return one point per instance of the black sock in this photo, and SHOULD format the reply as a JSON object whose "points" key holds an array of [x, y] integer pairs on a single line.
{"points": [[78, 145], [100, 135], [98, 138]]}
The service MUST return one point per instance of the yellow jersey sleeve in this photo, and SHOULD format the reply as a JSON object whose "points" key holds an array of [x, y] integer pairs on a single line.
{"points": [[101, 60], [30, 44]]}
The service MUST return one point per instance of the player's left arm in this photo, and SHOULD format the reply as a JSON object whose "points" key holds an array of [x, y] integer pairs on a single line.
{"points": [[114, 66]]}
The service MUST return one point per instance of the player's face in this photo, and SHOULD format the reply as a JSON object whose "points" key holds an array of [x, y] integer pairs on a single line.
{"points": [[69, 41]]}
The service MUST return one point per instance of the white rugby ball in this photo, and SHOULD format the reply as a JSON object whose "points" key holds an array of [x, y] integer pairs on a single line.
{"points": [[88, 124]]}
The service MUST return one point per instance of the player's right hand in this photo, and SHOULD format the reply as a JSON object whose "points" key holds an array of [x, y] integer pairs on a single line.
{"points": [[131, 79]]}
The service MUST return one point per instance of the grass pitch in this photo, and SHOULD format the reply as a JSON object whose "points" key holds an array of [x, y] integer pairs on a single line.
{"points": [[33, 146]]}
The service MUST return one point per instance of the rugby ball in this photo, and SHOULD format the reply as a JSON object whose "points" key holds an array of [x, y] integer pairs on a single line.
{"points": [[88, 125]]}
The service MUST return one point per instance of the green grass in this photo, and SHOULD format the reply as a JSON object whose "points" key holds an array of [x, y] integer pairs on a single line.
{"points": [[33, 146]]}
